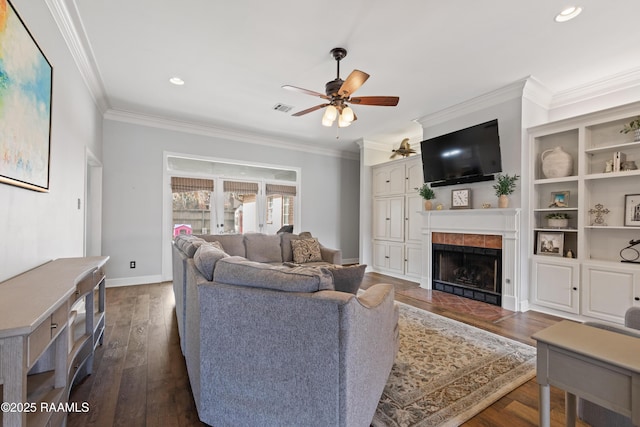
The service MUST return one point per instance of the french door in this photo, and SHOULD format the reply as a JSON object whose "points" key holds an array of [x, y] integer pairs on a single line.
{"points": [[231, 206]]}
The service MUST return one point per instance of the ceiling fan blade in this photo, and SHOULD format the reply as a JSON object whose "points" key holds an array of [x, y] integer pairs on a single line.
{"points": [[353, 82], [387, 101], [309, 110], [305, 91]]}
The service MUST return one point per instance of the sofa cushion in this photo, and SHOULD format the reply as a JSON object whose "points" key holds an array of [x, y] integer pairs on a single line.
{"points": [[206, 258], [306, 250], [242, 272], [349, 278], [263, 247], [285, 242], [190, 246], [233, 244]]}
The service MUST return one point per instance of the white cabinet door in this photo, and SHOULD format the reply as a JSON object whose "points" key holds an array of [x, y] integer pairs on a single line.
{"points": [[414, 175], [608, 293], [380, 260], [380, 218], [388, 256], [413, 217], [556, 285], [413, 261], [396, 219], [380, 181], [395, 252], [388, 218], [389, 180]]}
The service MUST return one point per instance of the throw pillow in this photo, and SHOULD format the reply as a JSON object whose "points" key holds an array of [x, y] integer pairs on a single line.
{"points": [[206, 258], [348, 279], [306, 250]]}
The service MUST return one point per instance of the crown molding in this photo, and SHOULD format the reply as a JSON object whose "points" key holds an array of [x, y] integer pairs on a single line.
{"points": [[626, 80], [222, 133], [535, 91], [66, 16], [498, 96]]}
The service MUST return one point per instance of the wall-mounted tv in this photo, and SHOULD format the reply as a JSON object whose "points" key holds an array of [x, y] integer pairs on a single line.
{"points": [[467, 155]]}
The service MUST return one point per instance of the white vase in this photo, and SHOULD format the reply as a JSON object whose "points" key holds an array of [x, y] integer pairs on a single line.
{"points": [[556, 163]]}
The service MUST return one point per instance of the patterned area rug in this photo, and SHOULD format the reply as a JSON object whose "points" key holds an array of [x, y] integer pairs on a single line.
{"points": [[446, 371]]}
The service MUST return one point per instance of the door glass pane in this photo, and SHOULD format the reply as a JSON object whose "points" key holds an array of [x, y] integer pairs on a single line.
{"points": [[191, 212], [279, 212], [240, 212]]}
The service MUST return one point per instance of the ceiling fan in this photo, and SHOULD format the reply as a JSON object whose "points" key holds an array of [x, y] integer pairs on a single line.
{"points": [[338, 95]]}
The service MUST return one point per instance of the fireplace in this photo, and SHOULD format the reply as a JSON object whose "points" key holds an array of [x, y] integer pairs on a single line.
{"points": [[468, 265]]}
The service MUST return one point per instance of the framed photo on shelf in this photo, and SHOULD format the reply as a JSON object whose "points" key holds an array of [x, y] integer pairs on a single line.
{"points": [[632, 210], [550, 243], [559, 199]]}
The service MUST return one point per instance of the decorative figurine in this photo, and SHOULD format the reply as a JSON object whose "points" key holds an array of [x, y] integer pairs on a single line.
{"points": [[569, 254], [600, 211], [629, 253], [404, 150]]}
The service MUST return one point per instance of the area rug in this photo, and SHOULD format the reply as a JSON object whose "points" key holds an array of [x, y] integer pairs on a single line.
{"points": [[446, 371]]}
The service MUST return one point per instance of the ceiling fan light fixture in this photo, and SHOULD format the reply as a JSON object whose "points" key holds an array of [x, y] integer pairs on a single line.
{"points": [[342, 123], [347, 114], [568, 14], [326, 122], [330, 113]]}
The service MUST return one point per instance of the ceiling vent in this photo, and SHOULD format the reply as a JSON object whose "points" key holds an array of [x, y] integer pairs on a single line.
{"points": [[283, 108]]}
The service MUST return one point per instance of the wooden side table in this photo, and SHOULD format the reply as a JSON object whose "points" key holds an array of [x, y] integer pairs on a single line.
{"points": [[595, 364]]}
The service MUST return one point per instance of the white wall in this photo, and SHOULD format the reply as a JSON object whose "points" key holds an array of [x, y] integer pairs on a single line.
{"points": [[38, 227], [132, 204], [508, 114]]}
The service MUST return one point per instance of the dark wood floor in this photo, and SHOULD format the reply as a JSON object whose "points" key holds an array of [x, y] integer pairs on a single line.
{"points": [[140, 378]]}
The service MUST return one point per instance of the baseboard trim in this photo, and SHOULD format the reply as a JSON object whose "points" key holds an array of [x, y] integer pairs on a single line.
{"points": [[131, 281]]}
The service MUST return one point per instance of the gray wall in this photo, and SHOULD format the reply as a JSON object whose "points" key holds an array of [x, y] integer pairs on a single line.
{"points": [[38, 227], [133, 187]]}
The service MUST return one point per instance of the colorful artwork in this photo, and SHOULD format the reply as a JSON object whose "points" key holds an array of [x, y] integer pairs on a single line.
{"points": [[25, 105]]}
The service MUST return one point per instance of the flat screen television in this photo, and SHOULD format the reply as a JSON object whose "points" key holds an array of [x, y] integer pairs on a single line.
{"points": [[467, 155]]}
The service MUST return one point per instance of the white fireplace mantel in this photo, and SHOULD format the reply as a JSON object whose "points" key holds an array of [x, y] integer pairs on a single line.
{"points": [[500, 222]]}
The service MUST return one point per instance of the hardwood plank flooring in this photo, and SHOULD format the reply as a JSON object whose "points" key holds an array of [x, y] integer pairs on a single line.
{"points": [[140, 377]]}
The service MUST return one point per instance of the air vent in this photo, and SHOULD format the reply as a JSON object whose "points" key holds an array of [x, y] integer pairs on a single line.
{"points": [[282, 107]]}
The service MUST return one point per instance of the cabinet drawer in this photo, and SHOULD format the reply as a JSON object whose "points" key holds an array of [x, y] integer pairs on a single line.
{"points": [[98, 275], [38, 341], [85, 286], [59, 319]]}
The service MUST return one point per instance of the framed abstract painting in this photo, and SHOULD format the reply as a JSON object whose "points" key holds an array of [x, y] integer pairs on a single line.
{"points": [[25, 105]]}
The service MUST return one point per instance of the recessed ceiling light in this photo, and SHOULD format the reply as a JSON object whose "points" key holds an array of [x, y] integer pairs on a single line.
{"points": [[568, 13], [176, 81]]}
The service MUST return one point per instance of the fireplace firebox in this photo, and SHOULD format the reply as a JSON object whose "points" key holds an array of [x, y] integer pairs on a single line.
{"points": [[468, 271]]}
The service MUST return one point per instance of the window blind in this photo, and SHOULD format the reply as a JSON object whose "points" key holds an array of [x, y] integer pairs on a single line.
{"points": [[285, 190], [241, 187], [183, 185]]}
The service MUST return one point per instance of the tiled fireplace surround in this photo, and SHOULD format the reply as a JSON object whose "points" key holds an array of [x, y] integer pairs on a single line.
{"points": [[482, 228]]}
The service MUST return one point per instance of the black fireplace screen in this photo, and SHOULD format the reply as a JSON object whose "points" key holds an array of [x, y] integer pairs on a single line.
{"points": [[468, 271]]}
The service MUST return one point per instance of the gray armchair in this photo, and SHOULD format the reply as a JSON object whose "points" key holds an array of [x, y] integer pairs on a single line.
{"points": [[598, 416]]}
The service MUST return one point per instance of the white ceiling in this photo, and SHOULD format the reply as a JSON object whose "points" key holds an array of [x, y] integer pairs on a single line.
{"points": [[236, 55]]}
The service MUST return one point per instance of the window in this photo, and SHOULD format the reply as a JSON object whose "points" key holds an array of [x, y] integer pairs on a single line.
{"points": [[191, 205], [280, 206]]}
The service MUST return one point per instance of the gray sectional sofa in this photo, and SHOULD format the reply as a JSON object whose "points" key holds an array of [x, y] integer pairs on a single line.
{"points": [[273, 344]]}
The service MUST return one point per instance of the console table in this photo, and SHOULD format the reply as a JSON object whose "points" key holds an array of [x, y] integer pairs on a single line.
{"points": [[51, 319], [596, 364]]}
